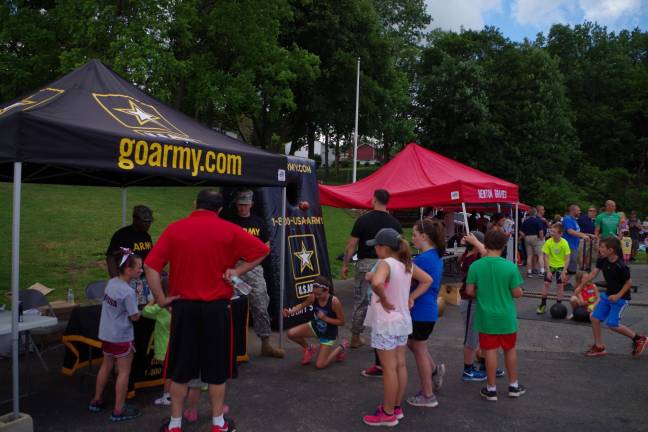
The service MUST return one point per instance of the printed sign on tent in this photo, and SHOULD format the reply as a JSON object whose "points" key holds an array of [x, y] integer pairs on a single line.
{"points": [[302, 250]]}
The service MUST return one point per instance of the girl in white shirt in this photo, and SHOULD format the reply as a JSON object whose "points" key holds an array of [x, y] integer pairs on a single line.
{"points": [[389, 317]]}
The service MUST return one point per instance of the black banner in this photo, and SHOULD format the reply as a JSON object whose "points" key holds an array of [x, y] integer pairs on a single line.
{"points": [[306, 250]]}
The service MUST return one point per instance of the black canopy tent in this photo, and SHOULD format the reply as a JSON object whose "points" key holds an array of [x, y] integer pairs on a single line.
{"points": [[92, 127]]}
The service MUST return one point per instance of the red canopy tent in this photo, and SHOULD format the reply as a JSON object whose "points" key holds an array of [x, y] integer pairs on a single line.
{"points": [[417, 177]]}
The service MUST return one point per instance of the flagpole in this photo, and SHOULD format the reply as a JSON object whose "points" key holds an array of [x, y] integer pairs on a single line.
{"points": [[355, 132]]}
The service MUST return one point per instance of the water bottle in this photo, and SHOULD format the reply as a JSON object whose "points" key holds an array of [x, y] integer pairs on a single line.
{"points": [[241, 286], [455, 246], [141, 298], [70, 296]]}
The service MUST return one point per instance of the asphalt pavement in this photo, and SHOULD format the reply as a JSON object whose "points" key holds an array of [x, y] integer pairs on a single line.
{"points": [[566, 391]]}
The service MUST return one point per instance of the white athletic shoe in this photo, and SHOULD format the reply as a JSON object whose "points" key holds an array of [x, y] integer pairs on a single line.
{"points": [[164, 400]]}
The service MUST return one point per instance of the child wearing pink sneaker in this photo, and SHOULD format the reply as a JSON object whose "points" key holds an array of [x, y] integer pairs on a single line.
{"points": [[389, 317], [327, 317], [193, 400]]}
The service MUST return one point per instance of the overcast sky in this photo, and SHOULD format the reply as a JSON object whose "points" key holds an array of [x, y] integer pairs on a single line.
{"points": [[525, 18]]}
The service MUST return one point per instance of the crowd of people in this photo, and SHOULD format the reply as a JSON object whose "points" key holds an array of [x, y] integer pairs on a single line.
{"points": [[584, 245], [395, 295]]}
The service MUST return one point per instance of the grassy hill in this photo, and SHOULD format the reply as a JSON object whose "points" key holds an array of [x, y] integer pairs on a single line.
{"points": [[66, 229]]}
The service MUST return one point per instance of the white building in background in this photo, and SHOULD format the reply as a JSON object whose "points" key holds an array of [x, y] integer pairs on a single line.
{"points": [[318, 150]]}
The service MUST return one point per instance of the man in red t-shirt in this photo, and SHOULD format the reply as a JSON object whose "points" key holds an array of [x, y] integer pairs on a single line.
{"points": [[202, 251]]}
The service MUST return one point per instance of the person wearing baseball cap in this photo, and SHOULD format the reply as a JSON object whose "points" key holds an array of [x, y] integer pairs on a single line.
{"points": [[258, 297], [389, 317]]}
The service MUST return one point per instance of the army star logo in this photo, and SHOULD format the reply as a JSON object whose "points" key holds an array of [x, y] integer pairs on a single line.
{"points": [[304, 261], [142, 116], [304, 256], [42, 96]]}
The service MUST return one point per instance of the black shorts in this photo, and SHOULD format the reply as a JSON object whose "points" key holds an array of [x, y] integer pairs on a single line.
{"points": [[554, 272], [202, 342], [421, 330]]}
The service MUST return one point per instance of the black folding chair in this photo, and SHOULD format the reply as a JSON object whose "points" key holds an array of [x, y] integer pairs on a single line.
{"points": [[95, 290]]}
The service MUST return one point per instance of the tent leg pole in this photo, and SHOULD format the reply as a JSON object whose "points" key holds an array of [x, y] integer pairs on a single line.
{"points": [[15, 274], [124, 202], [517, 234], [282, 267], [421, 217], [465, 215]]}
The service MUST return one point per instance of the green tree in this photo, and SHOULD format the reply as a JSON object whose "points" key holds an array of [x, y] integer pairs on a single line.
{"points": [[497, 106], [28, 48]]}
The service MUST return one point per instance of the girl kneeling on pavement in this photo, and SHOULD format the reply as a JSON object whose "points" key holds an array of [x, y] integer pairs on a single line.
{"points": [[327, 317], [389, 317]]}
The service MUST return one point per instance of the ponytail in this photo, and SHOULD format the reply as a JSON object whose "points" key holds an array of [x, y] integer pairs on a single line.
{"points": [[128, 259], [434, 231], [405, 255]]}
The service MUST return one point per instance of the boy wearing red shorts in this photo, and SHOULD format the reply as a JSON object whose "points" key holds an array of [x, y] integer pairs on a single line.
{"points": [[495, 282]]}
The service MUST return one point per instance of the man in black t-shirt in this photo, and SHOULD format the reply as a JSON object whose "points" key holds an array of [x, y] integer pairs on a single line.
{"points": [[134, 237], [615, 300], [365, 228], [258, 297]]}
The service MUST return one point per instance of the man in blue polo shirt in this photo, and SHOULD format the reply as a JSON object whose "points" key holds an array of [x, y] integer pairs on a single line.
{"points": [[573, 235], [586, 221]]}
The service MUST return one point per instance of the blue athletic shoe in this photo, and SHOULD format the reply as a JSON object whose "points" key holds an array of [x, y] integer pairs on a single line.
{"points": [[473, 375], [499, 373]]}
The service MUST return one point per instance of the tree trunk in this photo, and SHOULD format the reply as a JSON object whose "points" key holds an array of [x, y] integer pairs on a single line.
{"points": [[311, 141], [326, 153]]}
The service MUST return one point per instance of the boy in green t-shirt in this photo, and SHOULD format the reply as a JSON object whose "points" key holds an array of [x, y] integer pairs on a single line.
{"points": [[494, 282], [556, 257]]}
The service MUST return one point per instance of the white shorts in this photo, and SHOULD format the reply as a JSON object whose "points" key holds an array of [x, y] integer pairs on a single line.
{"points": [[386, 343]]}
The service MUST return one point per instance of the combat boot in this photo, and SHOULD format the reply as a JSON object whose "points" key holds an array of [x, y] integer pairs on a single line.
{"points": [[357, 341], [267, 350]]}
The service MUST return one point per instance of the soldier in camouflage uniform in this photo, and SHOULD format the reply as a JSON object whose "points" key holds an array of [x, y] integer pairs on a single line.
{"points": [[365, 228], [258, 297]]}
